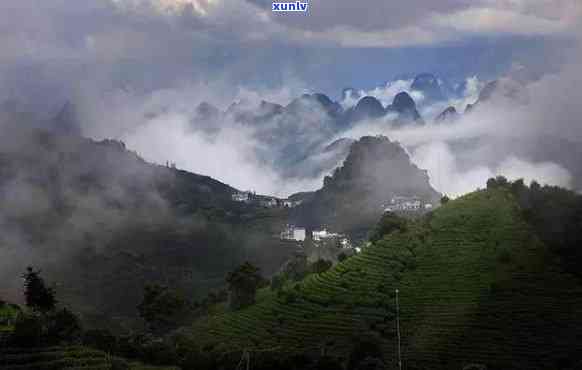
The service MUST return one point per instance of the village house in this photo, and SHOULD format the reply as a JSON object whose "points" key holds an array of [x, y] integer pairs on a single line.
{"points": [[241, 196], [291, 203], [405, 204], [323, 236], [268, 202], [293, 233]]}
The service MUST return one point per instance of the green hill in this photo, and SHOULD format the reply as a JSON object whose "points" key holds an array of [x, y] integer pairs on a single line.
{"points": [[476, 286]]}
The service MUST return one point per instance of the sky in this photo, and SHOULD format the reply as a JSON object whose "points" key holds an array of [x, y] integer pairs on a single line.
{"points": [[58, 45], [120, 59]]}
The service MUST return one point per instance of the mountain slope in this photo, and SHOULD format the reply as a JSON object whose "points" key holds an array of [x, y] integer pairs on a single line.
{"points": [[475, 287], [101, 223]]}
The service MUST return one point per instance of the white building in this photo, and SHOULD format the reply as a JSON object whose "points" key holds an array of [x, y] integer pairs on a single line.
{"points": [[291, 203], [293, 233], [241, 196], [268, 202], [345, 243], [318, 235], [404, 204], [324, 235]]}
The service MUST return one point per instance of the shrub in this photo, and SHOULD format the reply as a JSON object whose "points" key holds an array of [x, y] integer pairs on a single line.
{"points": [[101, 339], [277, 282], [162, 308], [290, 297], [28, 331]]}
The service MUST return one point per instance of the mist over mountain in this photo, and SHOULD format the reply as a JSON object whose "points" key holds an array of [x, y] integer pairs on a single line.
{"points": [[429, 86], [275, 141], [103, 223]]}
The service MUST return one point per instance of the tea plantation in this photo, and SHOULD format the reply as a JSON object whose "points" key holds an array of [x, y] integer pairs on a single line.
{"points": [[475, 287]]}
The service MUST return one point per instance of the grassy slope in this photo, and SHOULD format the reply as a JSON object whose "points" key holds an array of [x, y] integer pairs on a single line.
{"points": [[8, 314], [475, 287], [71, 357]]}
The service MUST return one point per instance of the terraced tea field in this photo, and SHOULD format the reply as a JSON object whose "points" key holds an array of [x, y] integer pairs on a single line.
{"points": [[475, 287]]}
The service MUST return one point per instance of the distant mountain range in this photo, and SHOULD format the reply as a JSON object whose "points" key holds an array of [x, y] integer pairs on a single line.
{"points": [[291, 139]]}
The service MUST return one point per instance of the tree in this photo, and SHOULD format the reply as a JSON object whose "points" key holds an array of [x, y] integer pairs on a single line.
{"points": [[63, 326], [320, 266], [162, 308], [37, 295], [388, 223], [491, 183], [497, 182], [242, 285], [445, 199], [502, 181]]}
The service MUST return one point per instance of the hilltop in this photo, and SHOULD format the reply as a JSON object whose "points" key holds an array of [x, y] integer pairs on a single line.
{"points": [[477, 286], [354, 196]]}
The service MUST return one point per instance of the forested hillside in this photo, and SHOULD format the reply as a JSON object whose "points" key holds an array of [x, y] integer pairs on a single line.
{"points": [[102, 223], [476, 283]]}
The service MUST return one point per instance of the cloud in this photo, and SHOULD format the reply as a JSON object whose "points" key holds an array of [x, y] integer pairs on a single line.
{"points": [[380, 23], [446, 175], [487, 21], [230, 155], [125, 60], [162, 127], [528, 129]]}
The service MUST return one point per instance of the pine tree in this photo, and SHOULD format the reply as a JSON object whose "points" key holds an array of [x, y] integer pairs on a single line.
{"points": [[37, 295]]}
